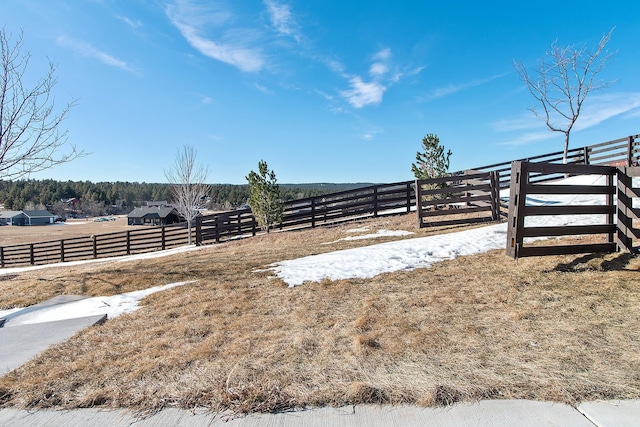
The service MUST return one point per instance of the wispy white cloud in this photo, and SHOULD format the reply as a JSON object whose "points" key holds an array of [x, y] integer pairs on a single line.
{"points": [[596, 110], [85, 49], [263, 89], [204, 99], [234, 48], [603, 107], [135, 24], [362, 94], [454, 88], [529, 137], [523, 122], [282, 19]]}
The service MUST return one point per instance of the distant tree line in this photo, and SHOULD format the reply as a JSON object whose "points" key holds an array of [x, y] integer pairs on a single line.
{"points": [[112, 198]]}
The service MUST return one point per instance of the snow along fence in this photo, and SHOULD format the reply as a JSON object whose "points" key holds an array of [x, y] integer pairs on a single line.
{"points": [[473, 193], [619, 152], [601, 214]]}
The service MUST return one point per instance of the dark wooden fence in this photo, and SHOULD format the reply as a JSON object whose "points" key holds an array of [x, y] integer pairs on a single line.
{"points": [[360, 203], [522, 187], [619, 152], [628, 217], [128, 242], [472, 193], [365, 202]]}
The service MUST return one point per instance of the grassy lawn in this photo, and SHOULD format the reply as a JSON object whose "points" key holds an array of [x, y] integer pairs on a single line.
{"points": [[561, 328]]}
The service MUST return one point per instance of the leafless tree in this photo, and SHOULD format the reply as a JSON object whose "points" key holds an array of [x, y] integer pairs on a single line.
{"points": [[188, 185], [30, 134], [562, 80]]}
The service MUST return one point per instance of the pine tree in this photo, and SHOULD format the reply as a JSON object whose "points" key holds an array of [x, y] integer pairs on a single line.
{"points": [[264, 198], [433, 162]]}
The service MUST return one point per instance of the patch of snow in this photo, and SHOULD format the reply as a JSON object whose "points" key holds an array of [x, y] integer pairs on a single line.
{"points": [[367, 262], [358, 230], [379, 233], [112, 306]]}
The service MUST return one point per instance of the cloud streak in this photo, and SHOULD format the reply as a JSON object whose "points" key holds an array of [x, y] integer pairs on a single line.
{"points": [[192, 20], [599, 109], [361, 93], [455, 88], [87, 50], [282, 19]]}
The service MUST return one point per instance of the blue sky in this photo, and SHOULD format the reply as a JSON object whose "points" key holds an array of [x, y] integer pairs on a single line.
{"points": [[324, 91]]}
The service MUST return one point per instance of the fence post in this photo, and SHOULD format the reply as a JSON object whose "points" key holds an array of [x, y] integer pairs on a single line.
{"points": [[624, 221], [313, 212], [95, 246], [495, 195], [630, 151], [375, 201], [611, 218], [517, 199], [162, 239], [585, 155], [128, 242], [409, 197], [217, 228], [31, 255], [61, 250], [1, 257], [419, 202], [253, 225], [198, 230]]}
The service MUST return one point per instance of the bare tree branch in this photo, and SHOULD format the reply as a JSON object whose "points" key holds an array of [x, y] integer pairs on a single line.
{"points": [[188, 185], [561, 84], [30, 134]]}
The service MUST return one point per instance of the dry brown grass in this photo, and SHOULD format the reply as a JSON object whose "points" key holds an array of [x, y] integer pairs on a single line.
{"points": [[555, 328], [15, 235]]}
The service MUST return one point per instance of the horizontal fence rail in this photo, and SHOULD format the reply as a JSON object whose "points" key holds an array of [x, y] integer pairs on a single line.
{"points": [[128, 242], [471, 192], [619, 152], [328, 209], [519, 210], [333, 208]]}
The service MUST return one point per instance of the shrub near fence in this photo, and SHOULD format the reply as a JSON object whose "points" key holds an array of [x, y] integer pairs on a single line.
{"points": [[470, 192], [128, 242], [328, 209], [322, 210], [518, 210]]}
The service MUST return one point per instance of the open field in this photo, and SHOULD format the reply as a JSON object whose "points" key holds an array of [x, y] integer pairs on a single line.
{"points": [[562, 328], [14, 235]]}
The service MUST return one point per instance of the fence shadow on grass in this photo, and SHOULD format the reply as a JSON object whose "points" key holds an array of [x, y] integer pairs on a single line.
{"points": [[596, 262]]}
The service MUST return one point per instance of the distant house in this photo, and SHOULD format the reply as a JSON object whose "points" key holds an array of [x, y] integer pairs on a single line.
{"points": [[155, 215], [38, 217]]}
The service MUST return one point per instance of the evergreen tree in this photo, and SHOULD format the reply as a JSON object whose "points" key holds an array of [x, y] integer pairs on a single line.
{"points": [[433, 162], [264, 198]]}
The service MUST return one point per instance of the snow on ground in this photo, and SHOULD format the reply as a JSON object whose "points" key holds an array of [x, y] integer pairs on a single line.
{"points": [[377, 234], [369, 261], [112, 306], [364, 262]]}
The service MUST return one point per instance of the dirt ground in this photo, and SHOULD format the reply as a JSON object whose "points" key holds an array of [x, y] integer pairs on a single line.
{"points": [[15, 235]]}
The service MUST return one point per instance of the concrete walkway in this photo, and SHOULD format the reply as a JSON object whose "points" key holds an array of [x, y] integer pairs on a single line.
{"points": [[490, 413], [20, 341]]}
